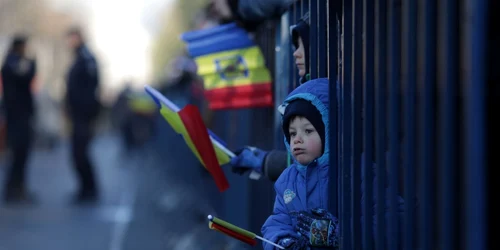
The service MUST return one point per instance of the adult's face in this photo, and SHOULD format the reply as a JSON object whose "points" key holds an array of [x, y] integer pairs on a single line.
{"points": [[73, 40], [222, 8]]}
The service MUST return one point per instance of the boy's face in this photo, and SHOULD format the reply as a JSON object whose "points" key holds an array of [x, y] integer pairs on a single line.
{"points": [[300, 60], [305, 142]]}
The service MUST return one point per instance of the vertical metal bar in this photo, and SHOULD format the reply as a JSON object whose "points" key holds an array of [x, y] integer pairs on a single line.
{"points": [[380, 119], [339, 10], [368, 68], [356, 105], [475, 115], [297, 9], [334, 133], [448, 82], [303, 5], [323, 25], [394, 40], [296, 16], [283, 72], [313, 38], [346, 217], [427, 125], [279, 74], [410, 82]]}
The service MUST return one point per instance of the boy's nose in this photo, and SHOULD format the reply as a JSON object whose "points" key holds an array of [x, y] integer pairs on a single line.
{"points": [[297, 139]]}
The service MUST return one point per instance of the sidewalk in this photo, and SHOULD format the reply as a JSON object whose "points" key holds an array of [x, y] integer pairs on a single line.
{"points": [[149, 201]]}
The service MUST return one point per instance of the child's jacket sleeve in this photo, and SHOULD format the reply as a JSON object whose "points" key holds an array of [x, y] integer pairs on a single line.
{"points": [[279, 224]]}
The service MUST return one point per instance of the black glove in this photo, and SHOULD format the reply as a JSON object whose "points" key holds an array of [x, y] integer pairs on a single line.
{"points": [[293, 243]]}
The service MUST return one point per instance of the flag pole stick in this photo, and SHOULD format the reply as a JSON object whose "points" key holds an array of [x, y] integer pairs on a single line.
{"points": [[211, 218], [269, 242]]}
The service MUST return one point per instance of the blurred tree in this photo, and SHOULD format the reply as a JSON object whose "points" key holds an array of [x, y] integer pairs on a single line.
{"points": [[177, 18]]}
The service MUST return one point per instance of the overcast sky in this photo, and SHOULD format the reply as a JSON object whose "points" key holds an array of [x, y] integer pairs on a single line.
{"points": [[121, 32]]}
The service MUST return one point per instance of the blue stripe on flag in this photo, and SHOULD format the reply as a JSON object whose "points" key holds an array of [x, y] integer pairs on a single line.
{"points": [[221, 38]]}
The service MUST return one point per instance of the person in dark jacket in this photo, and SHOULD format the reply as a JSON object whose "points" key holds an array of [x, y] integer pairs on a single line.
{"points": [[83, 107], [273, 163], [249, 14], [18, 72]]}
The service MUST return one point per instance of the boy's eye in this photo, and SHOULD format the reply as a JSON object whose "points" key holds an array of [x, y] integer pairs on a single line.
{"points": [[308, 131], [293, 134]]}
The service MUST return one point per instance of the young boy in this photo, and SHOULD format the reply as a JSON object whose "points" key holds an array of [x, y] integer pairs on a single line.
{"points": [[299, 219]]}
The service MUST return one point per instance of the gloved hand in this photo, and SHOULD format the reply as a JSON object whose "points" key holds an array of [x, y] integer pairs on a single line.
{"points": [[320, 228], [248, 158], [293, 243]]}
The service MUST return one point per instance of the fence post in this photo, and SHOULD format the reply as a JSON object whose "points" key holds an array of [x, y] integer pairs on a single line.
{"points": [[368, 128], [380, 117], [475, 14], [448, 89], [394, 26], [410, 121]]}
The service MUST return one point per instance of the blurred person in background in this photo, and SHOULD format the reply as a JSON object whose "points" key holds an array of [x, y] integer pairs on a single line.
{"points": [[17, 73], [249, 14], [82, 107], [139, 123], [120, 114], [178, 84]]}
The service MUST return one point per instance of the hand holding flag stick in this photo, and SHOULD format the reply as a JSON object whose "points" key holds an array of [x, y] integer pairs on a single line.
{"points": [[237, 232]]}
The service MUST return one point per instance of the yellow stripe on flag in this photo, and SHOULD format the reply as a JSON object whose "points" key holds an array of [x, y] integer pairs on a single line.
{"points": [[256, 76], [177, 124], [237, 67], [253, 58]]}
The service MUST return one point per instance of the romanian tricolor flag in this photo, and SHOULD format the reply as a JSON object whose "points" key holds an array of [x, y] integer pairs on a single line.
{"points": [[236, 232], [189, 123], [232, 66]]}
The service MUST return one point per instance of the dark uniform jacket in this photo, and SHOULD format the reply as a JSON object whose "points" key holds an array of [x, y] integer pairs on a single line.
{"points": [[82, 84], [17, 75]]}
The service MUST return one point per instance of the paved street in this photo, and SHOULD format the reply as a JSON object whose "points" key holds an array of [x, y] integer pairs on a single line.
{"points": [[153, 199]]}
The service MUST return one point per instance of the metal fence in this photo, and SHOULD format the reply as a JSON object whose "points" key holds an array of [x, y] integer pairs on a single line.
{"points": [[412, 101]]}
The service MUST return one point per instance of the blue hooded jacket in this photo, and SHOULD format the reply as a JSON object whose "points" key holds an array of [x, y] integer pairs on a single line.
{"points": [[299, 187]]}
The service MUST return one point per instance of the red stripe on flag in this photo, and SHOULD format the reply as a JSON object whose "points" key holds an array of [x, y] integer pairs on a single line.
{"points": [[235, 235], [237, 103], [248, 96], [244, 89], [197, 130]]}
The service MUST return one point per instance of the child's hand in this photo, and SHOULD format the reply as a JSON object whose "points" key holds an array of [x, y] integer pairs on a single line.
{"points": [[248, 158], [320, 227], [293, 243]]}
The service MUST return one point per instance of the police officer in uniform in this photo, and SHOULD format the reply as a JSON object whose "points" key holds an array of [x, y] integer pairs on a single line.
{"points": [[18, 72], [83, 107]]}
